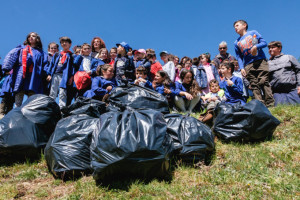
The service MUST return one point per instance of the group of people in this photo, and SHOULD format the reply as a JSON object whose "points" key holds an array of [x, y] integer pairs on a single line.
{"points": [[93, 71]]}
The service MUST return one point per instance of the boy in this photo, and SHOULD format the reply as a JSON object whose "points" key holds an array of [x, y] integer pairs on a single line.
{"points": [[141, 78], [232, 85], [123, 66], [211, 99], [61, 71], [252, 61]]}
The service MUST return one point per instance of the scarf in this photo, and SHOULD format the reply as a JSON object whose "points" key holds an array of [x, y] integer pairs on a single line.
{"points": [[64, 56], [25, 52]]}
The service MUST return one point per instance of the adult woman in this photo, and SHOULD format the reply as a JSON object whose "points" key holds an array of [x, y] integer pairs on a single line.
{"points": [[97, 44]]}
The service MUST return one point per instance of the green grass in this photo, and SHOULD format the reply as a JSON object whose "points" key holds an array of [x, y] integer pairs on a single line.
{"points": [[266, 170]]}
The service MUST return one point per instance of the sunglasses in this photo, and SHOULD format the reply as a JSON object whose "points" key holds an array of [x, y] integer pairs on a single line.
{"points": [[223, 48]]}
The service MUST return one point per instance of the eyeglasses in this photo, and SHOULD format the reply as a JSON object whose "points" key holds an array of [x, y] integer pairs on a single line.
{"points": [[187, 63], [223, 48]]}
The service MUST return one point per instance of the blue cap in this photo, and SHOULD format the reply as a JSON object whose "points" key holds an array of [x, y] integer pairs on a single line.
{"points": [[125, 45]]}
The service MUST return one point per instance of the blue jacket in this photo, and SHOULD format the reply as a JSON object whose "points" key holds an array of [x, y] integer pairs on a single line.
{"points": [[201, 76], [234, 93], [179, 87], [243, 45], [33, 81], [148, 84], [161, 89], [78, 64], [68, 71], [124, 66], [98, 87]]}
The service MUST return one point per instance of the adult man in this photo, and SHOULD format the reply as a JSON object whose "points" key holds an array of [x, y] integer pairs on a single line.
{"points": [[284, 73], [222, 55]]}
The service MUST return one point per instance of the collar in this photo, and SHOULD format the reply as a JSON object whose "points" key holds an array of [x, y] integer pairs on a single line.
{"points": [[275, 57]]}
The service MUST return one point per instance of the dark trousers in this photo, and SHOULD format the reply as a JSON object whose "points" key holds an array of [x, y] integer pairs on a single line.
{"points": [[258, 76]]}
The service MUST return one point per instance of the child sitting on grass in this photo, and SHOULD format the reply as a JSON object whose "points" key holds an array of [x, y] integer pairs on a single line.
{"points": [[142, 78]]}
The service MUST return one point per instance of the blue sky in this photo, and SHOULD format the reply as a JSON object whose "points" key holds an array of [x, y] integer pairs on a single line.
{"points": [[184, 28]]}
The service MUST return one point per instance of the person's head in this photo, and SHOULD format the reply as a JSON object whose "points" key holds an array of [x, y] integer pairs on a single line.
{"points": [[103, 53], [227, 68], [186, 76], [86, 49], [205, 58], [113, 53], [275, 48], [223, 48], [171, 57], [129, 52], [106, 70], [150, 51], [214, 86], [188, 63], [179, 68], [53, 48], [34, 40], [140, 54], [151, 57], [65, 43], [122, 48], [161, 77], [97, 43], [183, 59], [164, 56], [141, 72], [240, 27], [195, 61], [176, 60], [77, 49], [236, 65]]}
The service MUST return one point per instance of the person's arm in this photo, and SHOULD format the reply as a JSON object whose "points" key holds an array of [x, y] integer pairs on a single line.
{"points": [[261, 41], [97, 87], [239, 58], [172, 70], [236, 86], [296, 68]]}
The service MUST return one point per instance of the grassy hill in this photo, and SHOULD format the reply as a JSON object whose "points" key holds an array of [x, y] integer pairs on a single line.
{"points": [[266, 170]]}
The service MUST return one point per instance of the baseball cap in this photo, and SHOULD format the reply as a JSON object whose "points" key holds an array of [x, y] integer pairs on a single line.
{"points": [[125, 45], [140, 51], [163, 52]]}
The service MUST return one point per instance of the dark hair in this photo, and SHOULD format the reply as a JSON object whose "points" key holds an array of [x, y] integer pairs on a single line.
{"points": [[228, 65], [102, 43], [195, 61], [171, 57], [192, 88], [206, 55], [85, 44], [65, 39], [181, 60], [166, 83], [213, 81], [275, 44], [115, 48], [150, 55], [101, 68], [141, 69], [38, 40], [57, 46], [241, 21]]}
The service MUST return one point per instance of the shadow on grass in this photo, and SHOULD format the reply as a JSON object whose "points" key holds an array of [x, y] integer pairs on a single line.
{"points": [[9, 157]]}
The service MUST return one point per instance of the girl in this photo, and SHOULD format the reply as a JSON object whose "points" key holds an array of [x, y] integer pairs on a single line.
{"points": [[97, 44], [206, 72], [163, 85], [103, 84], [103, 56], [178, 70], [27, 77], [187, 91]]}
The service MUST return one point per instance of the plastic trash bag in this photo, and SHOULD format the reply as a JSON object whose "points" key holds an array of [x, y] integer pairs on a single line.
{"points": [[24, 131], [193, 141], [251, 122], [84, 105], [130, 143], [137, 97], [68, 151]]}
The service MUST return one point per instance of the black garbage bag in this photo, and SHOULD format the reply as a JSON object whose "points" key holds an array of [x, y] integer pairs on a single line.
{"points": [[137, 97], [84, 105], [130, 144], [251, 122], [25, 131], [193, 141], [68, 151]]}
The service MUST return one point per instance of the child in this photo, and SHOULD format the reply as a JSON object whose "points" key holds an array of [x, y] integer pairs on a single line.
{"points": [[206, 72], [85, 62], [155, 65], [103, 56], [187, 91], [232, 85], [123, 67], [112, 55], [102, 84], [178, 70], [252, 61], [61, 72], [211, 99], [141, 78]]}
